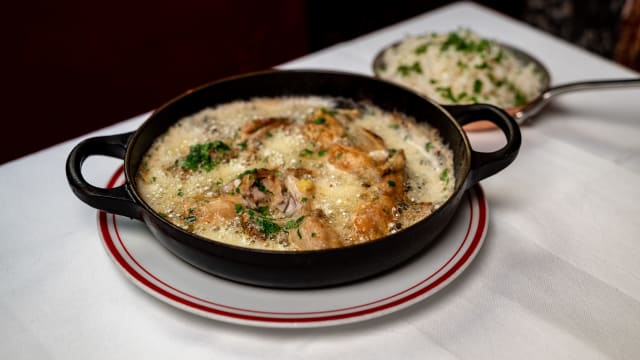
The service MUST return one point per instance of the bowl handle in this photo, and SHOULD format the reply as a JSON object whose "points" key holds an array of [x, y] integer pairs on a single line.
{"points": [[485, 164], [117, 200]]}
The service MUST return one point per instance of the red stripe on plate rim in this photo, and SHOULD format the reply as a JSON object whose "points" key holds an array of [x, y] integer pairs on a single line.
{"points": [[256, 317]]}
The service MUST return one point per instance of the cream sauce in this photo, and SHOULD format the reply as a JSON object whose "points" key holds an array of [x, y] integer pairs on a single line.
{"points": [[272, 177]]}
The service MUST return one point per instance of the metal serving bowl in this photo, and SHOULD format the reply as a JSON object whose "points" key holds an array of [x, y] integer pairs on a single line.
{"points": [[524, 113]]}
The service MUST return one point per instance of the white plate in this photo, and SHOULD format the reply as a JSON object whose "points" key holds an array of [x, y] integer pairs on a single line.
{"points": [[153, 268]]}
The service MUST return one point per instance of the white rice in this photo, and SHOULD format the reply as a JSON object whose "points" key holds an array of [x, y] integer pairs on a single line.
{"points": [[460, 67]]}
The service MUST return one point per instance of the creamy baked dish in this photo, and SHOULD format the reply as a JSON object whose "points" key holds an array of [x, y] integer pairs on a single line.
{"points": [[460, 67], [296, 173]]}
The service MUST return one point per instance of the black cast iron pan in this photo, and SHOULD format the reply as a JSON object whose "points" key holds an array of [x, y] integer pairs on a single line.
{"points": [[290, 269]]}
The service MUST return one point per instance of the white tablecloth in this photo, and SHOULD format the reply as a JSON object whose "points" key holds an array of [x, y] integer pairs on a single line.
{"points": [[558, 275]]}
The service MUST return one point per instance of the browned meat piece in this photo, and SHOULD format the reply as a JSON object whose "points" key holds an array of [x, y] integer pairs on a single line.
{"points": [[355, 161], [298, 195], [217, 211], [286, 193], [345, 116], [374, 220], [253, 132], [367, 140], [323, 129], [395, 162], [260, 187], [392, 183], [264, 125], [314, 233], [252, 227]]}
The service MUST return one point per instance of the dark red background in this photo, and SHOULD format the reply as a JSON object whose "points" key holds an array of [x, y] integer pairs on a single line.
{"points": [[72, 66]]}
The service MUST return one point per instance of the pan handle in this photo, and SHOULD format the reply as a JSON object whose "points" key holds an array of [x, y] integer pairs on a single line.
{"points": [[117, 200], [485, 164]]}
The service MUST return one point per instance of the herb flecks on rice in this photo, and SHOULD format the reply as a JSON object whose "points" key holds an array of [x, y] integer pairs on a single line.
{"points": [[461, 67]]}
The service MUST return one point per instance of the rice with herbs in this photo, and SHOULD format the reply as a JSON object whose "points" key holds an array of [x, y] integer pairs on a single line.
{"points": [[460, 67]]}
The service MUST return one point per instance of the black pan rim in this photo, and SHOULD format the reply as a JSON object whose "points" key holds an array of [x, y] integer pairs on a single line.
{"points": [[212, 243]]}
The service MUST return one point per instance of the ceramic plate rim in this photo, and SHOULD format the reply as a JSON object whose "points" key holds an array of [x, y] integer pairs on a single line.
{"points": [[172, 295]]}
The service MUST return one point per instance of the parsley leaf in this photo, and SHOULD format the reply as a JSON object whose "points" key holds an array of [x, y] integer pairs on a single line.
{"points": [[428, 146], [444, 176], [405, 70], [199, 157], [422, 49], [477, 86]]}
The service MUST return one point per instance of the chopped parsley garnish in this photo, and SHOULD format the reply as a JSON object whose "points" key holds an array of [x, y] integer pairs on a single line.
{"points": [[199, 157], [460, 43], [483, 45], [306, 152], [519, 99], [422, 49], [219, 146], [391, 183], [477, 86], [191, 218], [428, 146], [394, 126], [320, 121], [261, 187], [239, 208], [453, 40], [496, 82], [405, 70], [322, 152], [304, 199], [446, 93], [518, 96], [293, 224], [267, 225], [444, 176], [180, 193], [242, 145], [247, 172], [329, 111]]}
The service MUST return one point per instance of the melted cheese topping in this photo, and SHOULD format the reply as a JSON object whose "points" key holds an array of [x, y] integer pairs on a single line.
{"points": [[296, 173]]}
